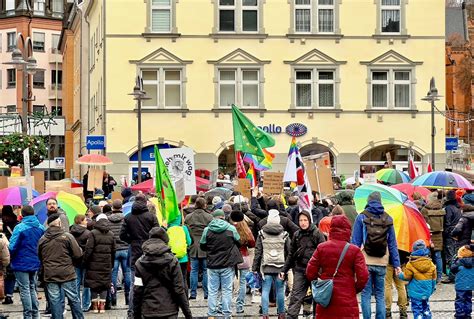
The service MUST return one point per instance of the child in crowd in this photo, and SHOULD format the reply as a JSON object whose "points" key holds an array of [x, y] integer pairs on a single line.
{"points": [[464, 284], [420, 273]]}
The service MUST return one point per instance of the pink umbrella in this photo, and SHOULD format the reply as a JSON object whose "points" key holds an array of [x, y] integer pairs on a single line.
{"points": [[409, 189], [94, 159], [15, 196]]}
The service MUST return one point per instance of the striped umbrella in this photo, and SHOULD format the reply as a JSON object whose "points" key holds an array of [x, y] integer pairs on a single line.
{"points": [[16, 195], [392, 176], [442, 179], [71, 204]]}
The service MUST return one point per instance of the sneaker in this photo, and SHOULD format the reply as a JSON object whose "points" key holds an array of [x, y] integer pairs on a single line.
{"points": [[8, 300], [447, 281]]}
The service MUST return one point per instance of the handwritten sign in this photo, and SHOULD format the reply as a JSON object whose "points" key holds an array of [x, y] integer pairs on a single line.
{"points": [[273, 182], [243, 186]]}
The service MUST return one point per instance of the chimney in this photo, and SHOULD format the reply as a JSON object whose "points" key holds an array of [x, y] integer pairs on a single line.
{"points": [[464, 21]]}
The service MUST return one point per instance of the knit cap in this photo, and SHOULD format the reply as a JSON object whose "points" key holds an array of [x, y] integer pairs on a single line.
{"points": [[218, 213], [419, 245]]}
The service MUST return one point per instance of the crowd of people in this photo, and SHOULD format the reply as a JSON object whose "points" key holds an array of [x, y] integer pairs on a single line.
{"points": [[264, 246]]}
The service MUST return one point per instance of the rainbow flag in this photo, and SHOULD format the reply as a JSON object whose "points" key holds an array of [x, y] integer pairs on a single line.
{"points": [[262, 165], [252, 176]]}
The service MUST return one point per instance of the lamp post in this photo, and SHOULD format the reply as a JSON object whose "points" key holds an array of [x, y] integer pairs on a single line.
{"points": [[139, 95], [23, 60], [432, 96]]}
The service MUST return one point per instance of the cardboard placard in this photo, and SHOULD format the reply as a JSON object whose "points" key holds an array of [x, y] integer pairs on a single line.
{"points": [[370, 178], [19, 181], [15, 171], [95, 179], [116, 195], [39, 180], [273, 182], [180, 189], [3, 182], [320, 176], [56, 186], [243, 187]]}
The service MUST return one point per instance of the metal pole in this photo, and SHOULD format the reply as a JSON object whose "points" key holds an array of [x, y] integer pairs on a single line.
{"points": [[433, 132], [24, 100], [139, 177]]}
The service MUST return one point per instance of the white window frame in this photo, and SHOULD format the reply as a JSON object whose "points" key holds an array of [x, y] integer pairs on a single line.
{"points": [[39, 7], [402, 82], [168, 7], [54, 48], [249, 8], [221, 82], [304, 7], [13, 45], [39, 34], [161, 83], [379, 82], [227, 8], [9, 6], [333, 82], [249, 82], [326, 7], [391, 7], [306, 81], [9, 86], [173, 82]]}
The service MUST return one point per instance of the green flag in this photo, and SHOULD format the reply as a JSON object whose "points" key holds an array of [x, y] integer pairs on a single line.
{"points": [[248, 138], [165, 190]]}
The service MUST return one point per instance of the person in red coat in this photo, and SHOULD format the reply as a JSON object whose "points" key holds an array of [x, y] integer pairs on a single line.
{"points": [[351, 276]]}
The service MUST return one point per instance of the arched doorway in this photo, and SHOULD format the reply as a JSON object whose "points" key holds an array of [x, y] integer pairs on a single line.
{"points": [[314, 148], [226, 160], [148, 160], [375, 158]]}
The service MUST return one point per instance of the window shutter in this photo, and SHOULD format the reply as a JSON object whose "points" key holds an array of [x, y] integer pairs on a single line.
{"points": [[160, 20]]}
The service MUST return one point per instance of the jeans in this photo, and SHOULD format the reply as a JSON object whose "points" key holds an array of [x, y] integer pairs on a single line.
{"points": [[390, 279], [223, 279], [240, 303], [57, 306], [86, 292], [268, 280], [463, 304], [420, 309], [29, 299], [121, 259], [438, 260], [376, 284], [196, 264]]}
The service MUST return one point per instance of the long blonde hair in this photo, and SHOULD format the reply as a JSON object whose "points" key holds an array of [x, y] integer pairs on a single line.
{"points": [[244, 231]]}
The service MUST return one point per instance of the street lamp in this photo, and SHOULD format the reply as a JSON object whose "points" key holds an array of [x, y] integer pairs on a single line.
{"points": [[23, 60], [139, 95], [432, 96]]}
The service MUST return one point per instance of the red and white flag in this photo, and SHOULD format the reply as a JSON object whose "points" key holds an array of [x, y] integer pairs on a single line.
{"points": [[240, 165], [429, 169], [412, 170]]}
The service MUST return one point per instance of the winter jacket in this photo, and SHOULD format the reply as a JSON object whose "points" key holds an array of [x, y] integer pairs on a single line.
{"points": [[293, 211], [287, 224], [346, 203], [126, 194], [359, 234], [159, 289], [351, 277], [24, 245], [464, 270], [468, 199], [453, 214], [463, 229], [81, 234], [318, 213], [420, 272], [9, 226], [4, 253], [135, 229], [271, 229], [303, 245], [99, 257], [221, 241], [196, 222], [434, 213], [58, 250], [255, 220], [115, 224], [257, 207]]}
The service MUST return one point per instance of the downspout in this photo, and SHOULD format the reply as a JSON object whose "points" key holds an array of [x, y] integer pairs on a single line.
{"points": [[464, 21]]}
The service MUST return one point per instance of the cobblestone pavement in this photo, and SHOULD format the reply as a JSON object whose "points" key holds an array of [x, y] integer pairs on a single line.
{"points": [[442, 305]]}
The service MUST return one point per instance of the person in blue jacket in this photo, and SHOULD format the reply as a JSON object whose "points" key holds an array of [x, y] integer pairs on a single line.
{"points": [[24, 259], [463, 267]]}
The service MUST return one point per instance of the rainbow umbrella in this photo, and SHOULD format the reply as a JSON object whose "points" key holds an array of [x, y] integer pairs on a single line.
{"points": [[71, 204], [408, 189], [392, 176], [16, 195], [408, 222], [442, 179]]}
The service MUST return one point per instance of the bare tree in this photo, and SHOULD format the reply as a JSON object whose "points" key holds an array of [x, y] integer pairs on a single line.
{"points": [[456, 40], [453, 3], [464, 74]]}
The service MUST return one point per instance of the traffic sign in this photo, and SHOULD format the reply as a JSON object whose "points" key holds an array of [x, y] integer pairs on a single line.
{"points": [[95, 142], [451, 143]]}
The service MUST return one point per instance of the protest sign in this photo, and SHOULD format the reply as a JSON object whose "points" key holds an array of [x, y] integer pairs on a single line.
{"points": [[180, 164], [272, 182], [243, 186]]}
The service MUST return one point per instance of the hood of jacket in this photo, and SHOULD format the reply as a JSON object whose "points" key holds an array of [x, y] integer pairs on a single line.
{"points": [[375, 207], [345, 198], [434, 204], [77, 230], [116, 217], [421, 263], [340, 228], [139, 207], [218, 225], [31, 221], [311, 225], [272, 229], [156, 254], [53, 232], [102, 225], [126, 192]]}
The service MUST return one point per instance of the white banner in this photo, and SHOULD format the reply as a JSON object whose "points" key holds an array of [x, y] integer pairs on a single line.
{"points": [[180, 189], [27, 168], [180, 164]]}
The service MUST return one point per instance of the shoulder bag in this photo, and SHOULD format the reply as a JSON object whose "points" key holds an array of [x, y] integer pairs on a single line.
{"points": [[322, 288]]}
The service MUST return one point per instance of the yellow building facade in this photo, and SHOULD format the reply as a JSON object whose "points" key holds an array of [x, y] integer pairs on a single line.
{"points": [[353, 72]]}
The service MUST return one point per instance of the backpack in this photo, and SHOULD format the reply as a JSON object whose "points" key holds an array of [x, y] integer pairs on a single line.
{"points": [[377, 230], [177, 242], [273, 249]]}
